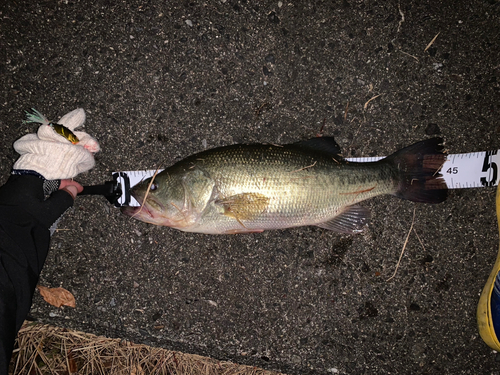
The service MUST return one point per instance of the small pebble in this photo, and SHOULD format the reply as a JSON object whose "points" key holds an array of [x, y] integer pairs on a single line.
{"points": [[189, 23], [432, 129], [273, 18], [270, 58]]}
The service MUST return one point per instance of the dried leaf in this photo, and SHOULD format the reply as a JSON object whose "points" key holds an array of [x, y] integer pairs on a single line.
{"points": [[57, 296]]}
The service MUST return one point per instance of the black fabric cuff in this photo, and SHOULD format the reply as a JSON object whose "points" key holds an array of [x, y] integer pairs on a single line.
{"points": [[49, 186], [27, 192]]}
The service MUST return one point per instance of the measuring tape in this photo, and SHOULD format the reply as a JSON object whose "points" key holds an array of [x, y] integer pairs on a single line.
{"points": [[460, 171]]}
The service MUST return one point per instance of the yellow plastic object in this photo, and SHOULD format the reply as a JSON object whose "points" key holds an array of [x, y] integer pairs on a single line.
{"points": [[484, 311]]}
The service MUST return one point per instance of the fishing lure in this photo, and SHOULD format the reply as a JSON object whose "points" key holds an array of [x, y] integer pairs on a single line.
{"points": [[65, 132], [37, 117]]}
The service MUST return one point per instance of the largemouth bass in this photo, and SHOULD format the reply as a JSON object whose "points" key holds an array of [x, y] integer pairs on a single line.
{"points": [[251, 188]]}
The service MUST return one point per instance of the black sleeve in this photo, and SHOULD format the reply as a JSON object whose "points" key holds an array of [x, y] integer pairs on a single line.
{"points": [[25, 219], [27, 192]]}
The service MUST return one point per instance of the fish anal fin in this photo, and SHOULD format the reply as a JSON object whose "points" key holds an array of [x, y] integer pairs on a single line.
{"points": [[244, 206], [352, 220]]}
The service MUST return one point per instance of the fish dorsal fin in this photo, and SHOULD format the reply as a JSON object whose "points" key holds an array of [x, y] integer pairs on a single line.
{"points": [[326, 145], [244, 206], [351, 220]]}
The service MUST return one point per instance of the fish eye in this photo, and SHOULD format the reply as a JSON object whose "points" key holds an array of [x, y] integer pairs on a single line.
{"points": [[153, 186]]}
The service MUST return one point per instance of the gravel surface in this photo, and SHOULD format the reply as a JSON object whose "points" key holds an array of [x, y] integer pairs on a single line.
{"points": [[161, 80]]}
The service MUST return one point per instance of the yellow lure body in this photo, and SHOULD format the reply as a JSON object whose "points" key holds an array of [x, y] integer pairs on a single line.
{"points": [[65, 132]]}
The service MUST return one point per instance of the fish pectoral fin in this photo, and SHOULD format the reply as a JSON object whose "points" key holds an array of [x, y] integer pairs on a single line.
{"points": [[244, 206], [351, 220]]}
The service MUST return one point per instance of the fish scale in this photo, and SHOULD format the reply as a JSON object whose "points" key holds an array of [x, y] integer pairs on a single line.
{"points": [[299, 193]]}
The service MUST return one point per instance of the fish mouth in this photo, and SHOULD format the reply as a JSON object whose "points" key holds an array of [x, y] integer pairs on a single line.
{"points": [[130, 210], [149, 209], [141, 212]]}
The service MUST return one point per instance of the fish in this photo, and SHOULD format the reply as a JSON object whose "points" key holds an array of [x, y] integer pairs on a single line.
{"points": [[251, 188]]}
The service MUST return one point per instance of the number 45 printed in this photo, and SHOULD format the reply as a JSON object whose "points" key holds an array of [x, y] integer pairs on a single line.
{"points": [[472, 170]]}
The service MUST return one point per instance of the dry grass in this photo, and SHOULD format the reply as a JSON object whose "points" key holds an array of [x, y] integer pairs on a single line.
{"points": [[43, 349]]}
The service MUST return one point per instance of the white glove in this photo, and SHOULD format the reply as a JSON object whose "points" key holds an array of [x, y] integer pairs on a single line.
{"points": [[51, 154]]}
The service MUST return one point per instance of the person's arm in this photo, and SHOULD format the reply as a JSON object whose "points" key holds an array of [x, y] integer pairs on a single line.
{"points": [[25, 221], [35, 196]]}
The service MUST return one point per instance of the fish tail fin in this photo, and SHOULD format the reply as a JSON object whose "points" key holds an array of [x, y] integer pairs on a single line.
{"points": [[418, 166]]}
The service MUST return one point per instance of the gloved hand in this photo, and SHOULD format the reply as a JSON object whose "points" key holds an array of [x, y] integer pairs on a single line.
{"points": [[28, 193], [51, 154]]}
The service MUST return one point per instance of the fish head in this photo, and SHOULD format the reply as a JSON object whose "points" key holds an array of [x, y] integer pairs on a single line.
{"points": [[174, 200]]}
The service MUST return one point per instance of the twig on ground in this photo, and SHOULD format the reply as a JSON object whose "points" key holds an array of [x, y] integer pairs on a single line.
{"points": [[432, 41], [418, 237], [402, 17], [345, 112], [404, 247], [366, 104], [406, 53]]}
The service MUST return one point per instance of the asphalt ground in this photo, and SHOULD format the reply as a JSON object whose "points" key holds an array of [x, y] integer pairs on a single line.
{"points": [[162, 80]]}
